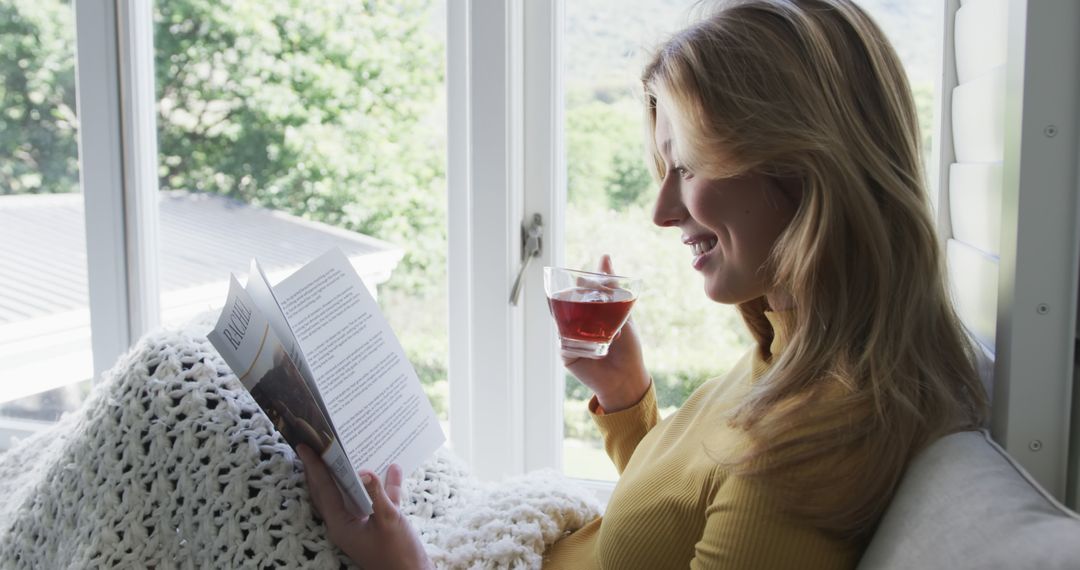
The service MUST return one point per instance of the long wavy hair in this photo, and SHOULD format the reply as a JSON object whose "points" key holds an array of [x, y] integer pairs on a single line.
{"points": [[877, 364]]}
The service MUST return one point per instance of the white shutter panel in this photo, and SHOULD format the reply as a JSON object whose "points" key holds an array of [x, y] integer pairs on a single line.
{"points": [[978, 112], [974, 182], [980, 30], [975, 205], [975, 274]]}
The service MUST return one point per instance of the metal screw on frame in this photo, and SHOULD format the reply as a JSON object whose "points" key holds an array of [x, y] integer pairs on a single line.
{"points": [[1035, 445]]}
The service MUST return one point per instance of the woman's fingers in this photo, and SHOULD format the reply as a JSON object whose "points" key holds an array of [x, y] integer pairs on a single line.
{"points": [[380, 502], [393, 484], [324, 492], [605, 264]]}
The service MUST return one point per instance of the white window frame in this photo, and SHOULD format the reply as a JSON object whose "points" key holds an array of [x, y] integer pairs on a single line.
{"points": [[484, 181], [139, 153], [506, 164], [101, 175], [1040, 244], [545, 194], [942, 153], [117, 147], [114, 61]]}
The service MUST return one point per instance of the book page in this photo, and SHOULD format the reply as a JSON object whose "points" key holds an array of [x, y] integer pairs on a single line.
{"points": [[258, 287], [369, 388], [246, 340]]}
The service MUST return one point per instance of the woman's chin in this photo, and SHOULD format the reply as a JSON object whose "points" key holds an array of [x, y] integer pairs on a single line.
{"points": [[720, 292]]}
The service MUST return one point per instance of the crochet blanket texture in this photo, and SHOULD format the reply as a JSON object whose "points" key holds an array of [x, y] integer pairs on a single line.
{"points": [[171, 464]]}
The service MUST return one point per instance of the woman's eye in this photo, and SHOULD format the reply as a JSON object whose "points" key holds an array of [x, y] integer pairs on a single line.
{"points": [[683, 171]]}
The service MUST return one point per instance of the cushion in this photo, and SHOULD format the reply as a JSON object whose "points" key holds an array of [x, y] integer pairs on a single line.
{"points": [[964, 503]]}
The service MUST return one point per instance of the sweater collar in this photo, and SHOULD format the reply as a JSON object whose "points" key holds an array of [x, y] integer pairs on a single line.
{"points": [[778, 320]]}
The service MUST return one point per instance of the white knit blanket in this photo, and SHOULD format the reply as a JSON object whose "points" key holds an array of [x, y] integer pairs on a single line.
{"points": [[171, 464]]}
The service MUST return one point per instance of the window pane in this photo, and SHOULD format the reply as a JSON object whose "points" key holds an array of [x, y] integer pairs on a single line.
{"points": [[686, 338], [910, 27], [289, 128], [45, 351]]}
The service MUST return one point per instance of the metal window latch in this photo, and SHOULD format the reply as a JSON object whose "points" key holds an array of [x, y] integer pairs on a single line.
{"points": [[532, 244]]}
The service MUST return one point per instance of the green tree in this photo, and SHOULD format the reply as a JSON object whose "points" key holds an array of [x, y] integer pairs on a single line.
{"points": [[326, 110], [606, 166], [317, 109], [37, 97], [320, 109]]}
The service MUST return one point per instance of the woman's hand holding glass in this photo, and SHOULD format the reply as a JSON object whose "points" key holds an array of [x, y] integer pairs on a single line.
{"points": [[619, 379]]}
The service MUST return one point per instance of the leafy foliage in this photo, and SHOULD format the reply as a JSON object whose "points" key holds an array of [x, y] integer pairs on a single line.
{"points": [[317, 109], [606, 168], [37, 98]]}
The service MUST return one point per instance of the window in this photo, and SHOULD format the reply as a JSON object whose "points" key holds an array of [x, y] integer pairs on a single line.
{"points": [[283, 129], [544, 121], [686, 339], [287, 129], [910, 26], [45, 345]]}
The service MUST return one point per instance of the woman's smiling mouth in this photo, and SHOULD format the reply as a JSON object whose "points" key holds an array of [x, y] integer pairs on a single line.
{"points": [[700, 246]]}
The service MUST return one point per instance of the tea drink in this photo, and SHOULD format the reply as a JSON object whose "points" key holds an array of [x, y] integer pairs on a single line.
{"points": [[589, 308], [590, 314]]}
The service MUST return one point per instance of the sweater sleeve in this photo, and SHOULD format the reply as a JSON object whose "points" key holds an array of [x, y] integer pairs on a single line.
{"points": [[743, 529], [624, 429]]}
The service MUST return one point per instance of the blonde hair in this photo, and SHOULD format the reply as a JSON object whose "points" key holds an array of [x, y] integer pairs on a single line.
{"points": [[876, 365]]}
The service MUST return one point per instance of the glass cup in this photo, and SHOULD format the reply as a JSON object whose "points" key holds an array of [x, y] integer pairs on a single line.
{"points": [[589, 308]]}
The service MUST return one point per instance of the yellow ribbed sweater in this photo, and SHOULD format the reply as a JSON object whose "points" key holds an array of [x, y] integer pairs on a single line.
{"points": [[674, 507]]}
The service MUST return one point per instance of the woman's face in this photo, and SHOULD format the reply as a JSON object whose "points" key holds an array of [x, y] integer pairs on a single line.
{"points": [[730, 225]]}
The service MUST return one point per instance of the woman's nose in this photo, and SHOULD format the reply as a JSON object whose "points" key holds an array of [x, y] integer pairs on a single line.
{"points": [[669, 209]]}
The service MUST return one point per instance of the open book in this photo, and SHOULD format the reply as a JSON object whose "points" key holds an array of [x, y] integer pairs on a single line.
{"points": [[321, 361]]}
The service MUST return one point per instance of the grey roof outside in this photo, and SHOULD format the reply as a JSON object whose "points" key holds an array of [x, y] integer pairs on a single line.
{"points": [[44, 308], [203, 237]]}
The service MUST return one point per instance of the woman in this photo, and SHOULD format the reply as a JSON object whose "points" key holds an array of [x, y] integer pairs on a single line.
{"points": [[786, 146]]}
